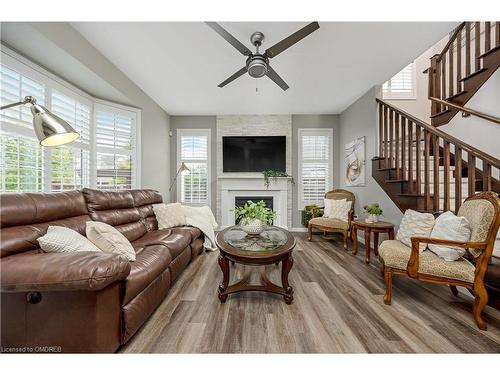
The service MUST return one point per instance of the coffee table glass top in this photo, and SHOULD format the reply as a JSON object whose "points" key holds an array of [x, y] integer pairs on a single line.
{"points": [[270, 239]]}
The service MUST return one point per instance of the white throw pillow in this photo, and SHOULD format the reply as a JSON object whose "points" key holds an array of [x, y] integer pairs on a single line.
{"points": [[109, 240], [169, 215], [64, 240], [337, 209], [448, 226], [415, 224]]}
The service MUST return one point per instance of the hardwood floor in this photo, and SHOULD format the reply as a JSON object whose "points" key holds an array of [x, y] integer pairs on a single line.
{"points": [[338, 308]]}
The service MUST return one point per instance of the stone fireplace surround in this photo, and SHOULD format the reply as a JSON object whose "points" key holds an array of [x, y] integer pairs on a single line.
{"points": [[231, 185]]}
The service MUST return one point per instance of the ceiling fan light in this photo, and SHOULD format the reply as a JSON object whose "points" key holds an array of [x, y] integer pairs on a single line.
{"points": [[257, 67]]}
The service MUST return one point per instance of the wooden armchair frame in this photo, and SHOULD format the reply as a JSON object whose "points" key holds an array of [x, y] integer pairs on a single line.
{"points": [[326, 229], [481, 263]]}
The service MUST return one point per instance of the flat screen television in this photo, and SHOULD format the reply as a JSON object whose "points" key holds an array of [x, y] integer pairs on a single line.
{"points": [[254, 154]]}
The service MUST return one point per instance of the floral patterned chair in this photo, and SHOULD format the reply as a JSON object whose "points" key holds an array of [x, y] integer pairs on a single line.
{"points": [[482, 210], [328, 225]]}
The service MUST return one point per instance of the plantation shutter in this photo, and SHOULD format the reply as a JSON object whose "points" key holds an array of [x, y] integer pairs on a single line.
{"points": [[21, 156], [315, 171], [71, 163], [115, 145], [402, 85], [194, 187]]}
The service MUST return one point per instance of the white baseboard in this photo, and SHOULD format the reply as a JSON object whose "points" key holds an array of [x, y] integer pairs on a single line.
{"points": [[301, 229]]}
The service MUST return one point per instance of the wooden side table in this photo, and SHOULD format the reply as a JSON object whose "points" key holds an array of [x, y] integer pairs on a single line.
{"points": [[368, 228]]}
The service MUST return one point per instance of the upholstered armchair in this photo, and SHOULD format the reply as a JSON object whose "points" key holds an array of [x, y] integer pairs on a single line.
{"points": [[482, 210], [329, 225]]}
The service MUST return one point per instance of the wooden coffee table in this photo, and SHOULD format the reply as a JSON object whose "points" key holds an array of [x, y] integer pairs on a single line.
{"points": [[368, 228], [272, 246]]}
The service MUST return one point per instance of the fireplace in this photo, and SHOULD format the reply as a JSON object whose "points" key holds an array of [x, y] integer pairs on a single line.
{"points": [[239, 201]]}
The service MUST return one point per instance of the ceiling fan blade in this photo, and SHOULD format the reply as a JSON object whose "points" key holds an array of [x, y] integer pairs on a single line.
{"points": [[291, 40], [231, 39], [276, 78], [239, 73]]}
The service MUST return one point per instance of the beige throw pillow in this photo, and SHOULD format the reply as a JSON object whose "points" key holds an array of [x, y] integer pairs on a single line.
{"points": [[169, 215], [64, 240], [109, 240], [415, 224], [337, 209], [450, 227]]}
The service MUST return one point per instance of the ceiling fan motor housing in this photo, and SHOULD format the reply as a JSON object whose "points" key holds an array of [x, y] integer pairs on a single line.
{"points": [[257, 65]]}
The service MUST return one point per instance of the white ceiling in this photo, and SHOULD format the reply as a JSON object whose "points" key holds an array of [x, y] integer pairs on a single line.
{"points": [[179, 64]]}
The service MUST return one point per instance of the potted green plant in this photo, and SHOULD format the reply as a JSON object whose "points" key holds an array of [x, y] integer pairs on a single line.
{"points": [[253, 217], [373, 211], [307, 213]]}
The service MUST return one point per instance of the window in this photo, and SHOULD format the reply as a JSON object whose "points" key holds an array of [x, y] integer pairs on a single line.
{"points": [[115, 146], [21, 157], [108, 143], [193, 150], [315, 165], [70, 167], [402, 85]]}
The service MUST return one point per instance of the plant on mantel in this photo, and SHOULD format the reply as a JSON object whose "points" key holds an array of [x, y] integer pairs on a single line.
{"points": [[274, 175]]}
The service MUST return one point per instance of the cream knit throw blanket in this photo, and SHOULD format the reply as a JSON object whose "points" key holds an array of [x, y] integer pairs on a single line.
{"points": [[174, 215]]}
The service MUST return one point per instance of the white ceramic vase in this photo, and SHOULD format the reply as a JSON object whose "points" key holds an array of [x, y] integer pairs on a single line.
{"points": [[372, 219], [253, 227]]}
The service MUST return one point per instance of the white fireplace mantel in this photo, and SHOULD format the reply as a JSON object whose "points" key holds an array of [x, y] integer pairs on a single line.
{"points": [[233, 185]]}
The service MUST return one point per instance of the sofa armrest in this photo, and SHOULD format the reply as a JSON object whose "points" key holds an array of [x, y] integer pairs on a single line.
{"points": [[61, 271]]}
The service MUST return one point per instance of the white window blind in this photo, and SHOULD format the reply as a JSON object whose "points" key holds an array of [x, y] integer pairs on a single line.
{"points": [[70, 167], [21, 157], [115, 145], [315, 161], [193, 150], [402, 85], [108, 132]]}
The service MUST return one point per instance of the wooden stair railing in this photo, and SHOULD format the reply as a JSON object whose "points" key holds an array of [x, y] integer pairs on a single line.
{"points": [[426, 169], [470, 57]]}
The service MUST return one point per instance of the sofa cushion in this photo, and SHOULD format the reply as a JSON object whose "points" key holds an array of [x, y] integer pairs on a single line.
{"points": [[330, 223], [150, 262], [193, 232], [116, 208], [395, 254], [174, 239]]}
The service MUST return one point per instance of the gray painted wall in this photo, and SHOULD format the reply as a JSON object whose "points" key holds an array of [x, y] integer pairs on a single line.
{"points": [[155, 169], [311, 121], [195, 122], [360, 119]]}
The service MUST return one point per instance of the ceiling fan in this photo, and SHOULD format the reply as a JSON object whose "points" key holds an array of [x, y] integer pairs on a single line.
{"points": [[257, 64]]}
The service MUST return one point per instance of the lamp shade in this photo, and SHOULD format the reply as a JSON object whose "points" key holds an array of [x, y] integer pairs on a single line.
{"points": [[51, 130]]}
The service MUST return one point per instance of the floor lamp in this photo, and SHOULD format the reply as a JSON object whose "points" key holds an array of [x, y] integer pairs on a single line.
{"points": [[51, 130], [184, 170]]}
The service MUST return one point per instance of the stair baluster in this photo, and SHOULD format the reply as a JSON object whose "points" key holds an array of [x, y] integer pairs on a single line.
{"points": [[424, 168]]}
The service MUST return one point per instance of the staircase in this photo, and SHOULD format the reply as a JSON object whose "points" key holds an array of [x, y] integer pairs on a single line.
{"points": [[425, 169], [469, 58]]}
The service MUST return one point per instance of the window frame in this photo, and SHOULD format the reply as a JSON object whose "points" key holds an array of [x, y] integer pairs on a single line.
{"points": [[52, 82], [313, 131], [390, 95], [193, 132]]}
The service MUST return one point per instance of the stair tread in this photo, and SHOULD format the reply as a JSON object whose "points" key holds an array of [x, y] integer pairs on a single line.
{"points": [[482, 70], [440, 113], [494, 49], [449, 98], [395, 181], [385, 169]]}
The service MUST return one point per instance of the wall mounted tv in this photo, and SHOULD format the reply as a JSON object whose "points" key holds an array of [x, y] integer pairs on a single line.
{"points": [[253, 154]]}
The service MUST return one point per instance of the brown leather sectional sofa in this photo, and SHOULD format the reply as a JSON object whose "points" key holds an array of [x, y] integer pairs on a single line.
{"points": [[84, 302]]}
